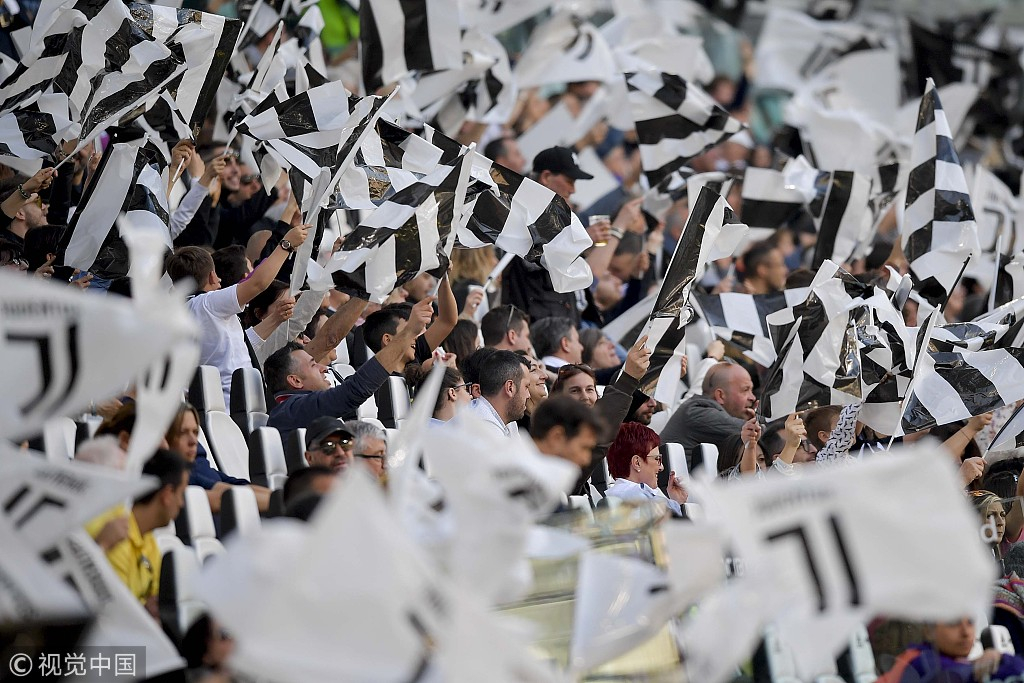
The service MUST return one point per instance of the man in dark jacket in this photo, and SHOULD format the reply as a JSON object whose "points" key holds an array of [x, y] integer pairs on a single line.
{"points": [[302, 393]]}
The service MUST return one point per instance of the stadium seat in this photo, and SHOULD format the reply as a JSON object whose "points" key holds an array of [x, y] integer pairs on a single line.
{"points": [[266, 458], [194, 525], [998, 638], [392, 402], [582, 503], [85, 428], [675, 460], [706, 458], [367, 409], [177, 602], [205, 392], [295, 451], [248, 400], [239, 512], [775, 658], [857, 663], [343, 369], [228, 444], [59, 439], [659, 420], [166, 538]]}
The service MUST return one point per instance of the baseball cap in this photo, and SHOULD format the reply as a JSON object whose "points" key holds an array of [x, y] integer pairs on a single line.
{"points": [[323, 427], [560, 160]]}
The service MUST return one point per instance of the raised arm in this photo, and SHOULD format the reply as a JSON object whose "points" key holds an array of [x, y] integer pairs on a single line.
{"points": [[447, 315], [335, 329], [266, 271], [794, 433], [393, 356]]}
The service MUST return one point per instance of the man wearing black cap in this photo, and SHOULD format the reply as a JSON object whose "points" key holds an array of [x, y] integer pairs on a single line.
{"points": [[557, 169], [329, 444], [528, 286]]}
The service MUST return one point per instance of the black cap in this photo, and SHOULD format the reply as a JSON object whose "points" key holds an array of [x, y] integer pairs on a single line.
{"points": [[560, 160], [323, 427]]}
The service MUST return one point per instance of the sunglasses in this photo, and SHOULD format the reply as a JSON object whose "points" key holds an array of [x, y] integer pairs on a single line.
{"points": [[331, 446], [570, 369], [249, 178]]}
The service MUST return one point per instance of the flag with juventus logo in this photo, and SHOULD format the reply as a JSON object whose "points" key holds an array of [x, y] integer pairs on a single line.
{"points": [[62, 348], [842, 545]]}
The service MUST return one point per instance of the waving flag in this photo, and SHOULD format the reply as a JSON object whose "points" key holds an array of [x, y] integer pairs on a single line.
{"points": [[939, 232], [64, 349], [675, 121], [396, 38], [711, 232]]}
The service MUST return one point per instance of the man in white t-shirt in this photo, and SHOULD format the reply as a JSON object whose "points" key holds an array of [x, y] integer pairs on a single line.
{"points": [[222, 341]]}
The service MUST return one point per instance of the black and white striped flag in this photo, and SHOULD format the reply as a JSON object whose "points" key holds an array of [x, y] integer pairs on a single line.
{"points": [[843, 218], [742, 319], [939, 232], [832, 349], [482, 91], [520, 216], [411, 233], [711, 232], [1000, 233], [565, 49], [397, 38], [958, 385], [389, 159], [768, 202], [34, 131], [125, 183], [675, 121], [205, 42], [1009, 283]]}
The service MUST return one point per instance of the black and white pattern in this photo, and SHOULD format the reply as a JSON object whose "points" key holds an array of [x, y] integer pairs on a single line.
{"points": [[675, 121], [939, 232], [958, 385], [520, 216], [482, 91], [742, 319], [767, 201], [125, 183], [564, 49], [205, 42], [1009, 283], [843, 218], [712, 232], [34, 131], [397, 38], [820, 348], [410, 233]]}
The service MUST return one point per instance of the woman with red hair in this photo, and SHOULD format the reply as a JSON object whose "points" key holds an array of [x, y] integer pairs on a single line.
{"points": [[634, 461]]}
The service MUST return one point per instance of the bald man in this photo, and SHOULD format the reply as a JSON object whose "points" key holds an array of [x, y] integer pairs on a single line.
{"points": [[726, 401]]}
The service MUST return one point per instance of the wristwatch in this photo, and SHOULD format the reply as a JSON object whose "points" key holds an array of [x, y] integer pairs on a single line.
{"points": [[286, 245]]}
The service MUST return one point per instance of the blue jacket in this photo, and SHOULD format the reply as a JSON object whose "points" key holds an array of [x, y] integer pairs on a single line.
{"points": [[296, 409]]}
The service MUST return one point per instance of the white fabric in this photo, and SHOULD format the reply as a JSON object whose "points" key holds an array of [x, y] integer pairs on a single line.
{"points": [[221, 343], [482, 408], [631, 490], [187, 209]]}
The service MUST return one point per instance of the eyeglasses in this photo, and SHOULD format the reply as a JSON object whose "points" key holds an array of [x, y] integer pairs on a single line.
{"points": [[331, 446], [248, 178], [38, 201], [465, 386], [367, 456], [659, 458], [230, 154]]}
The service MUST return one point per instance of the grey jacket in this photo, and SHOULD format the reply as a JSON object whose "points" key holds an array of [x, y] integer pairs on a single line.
{"points": [[700, 419]]}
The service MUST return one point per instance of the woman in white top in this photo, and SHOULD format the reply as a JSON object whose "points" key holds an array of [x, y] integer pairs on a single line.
{"points": [[634, 461]]}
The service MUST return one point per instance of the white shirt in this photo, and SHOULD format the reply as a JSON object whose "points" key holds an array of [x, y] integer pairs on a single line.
{"points": [[483, 409], [631, 490], [553, 362], [222, 341]]}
